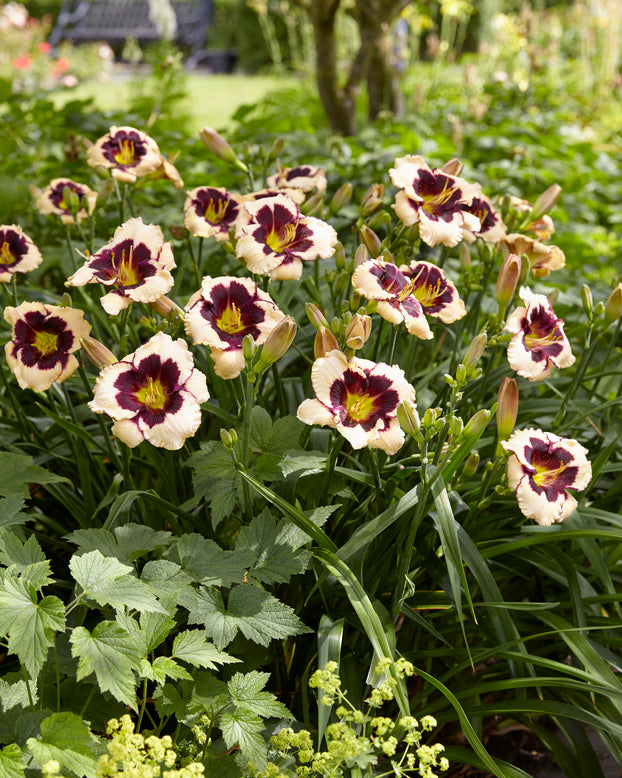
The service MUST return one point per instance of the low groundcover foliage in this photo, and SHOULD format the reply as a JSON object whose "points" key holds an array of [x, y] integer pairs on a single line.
{"points": [[297, 428]]}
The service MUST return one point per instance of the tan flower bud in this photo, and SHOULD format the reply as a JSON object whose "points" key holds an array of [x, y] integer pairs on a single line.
{"points": [[470, 466], [96, 352], [277, 148], [453, 167], [341, 197], [476, 424], [613, 306], [545, 202], [465, 257], [586, 300], [409, 419], [361, 255], [507, 280], [370, 240], [220, 148], [507, 408], [324, 342], [105, 192], [277, 343], [312, 204], [167, 308], [475, 350], [178, 231], [358, 331], [372, 200], [315, 315], [340, 256]]}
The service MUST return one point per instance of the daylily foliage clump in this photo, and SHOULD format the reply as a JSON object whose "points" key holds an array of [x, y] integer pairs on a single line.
{"points": [[303, 421]]}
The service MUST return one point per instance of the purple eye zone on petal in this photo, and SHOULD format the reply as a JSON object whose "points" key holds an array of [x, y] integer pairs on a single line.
{"points": [[430, 288], [151, 389], [233, 312], [298, 172], [440, 195], [363, 399], [124, 149], [281, 231], [13, 247], [126, 262], [487, 217], [215, 207], [44, 341], [56, 195], [551, 471], [542, 334], [390, 278]]}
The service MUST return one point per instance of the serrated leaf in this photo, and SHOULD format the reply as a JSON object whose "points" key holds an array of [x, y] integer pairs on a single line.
{"points": [[224, 497], [303, 463], [17, 471], [10, 511], [246, 691], [65, 738], [168, 582], [127, 592], [169, 702], [163, 667], [242, 727], [37, 575], [274, 562], [12, 762], [207, 563], [14, 552], [284, 435], [15, 695], [256, 613], [136, 540], [156, 628], [94, 539], [29, 724], [93, 571], [261, 424], [192, 646], [109, 652], [29, 624], [290, 535]]}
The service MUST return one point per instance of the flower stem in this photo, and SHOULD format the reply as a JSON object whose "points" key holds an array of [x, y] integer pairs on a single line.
{"points": [[578, 376]]}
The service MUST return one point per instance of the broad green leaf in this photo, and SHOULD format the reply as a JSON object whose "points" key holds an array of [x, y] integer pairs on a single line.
{"points": [[256, 613], [66, 738], [109, 652], [28, 724], [105, 580], [17, 471], [284, 435], [246, 690], [161, 669], [14, 552], [136, 540], [261, 425], [241, 727], [192, 646], [94, 539], [10, 511], [169, 702], [224, 496], [292, 536], [29, 624], [303, 463], [14, 695], [156, 628], [168, 582], [12, 762], [207, 563], [274, 562], [37, 575]]}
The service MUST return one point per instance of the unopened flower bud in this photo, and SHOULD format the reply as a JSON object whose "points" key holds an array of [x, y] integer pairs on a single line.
{"points": [[71, 200], [315, 315], [470, 466], [465, 256], [358, 331], [336, 325], [372, 200], [453, 167], [312, 204], [507, 280], [613, 307], [220, 148], [430, 416], [461, 376], [475, 350], [342, 281], [456, 425], [370, 240], [586, 300], [341, 197], [105, 192], [229, 438], [476, 424], [361, 255], [277, 343], [65, 300], [167, 308], [248, 348], [324, 342], [96, 352], [552, 296], [409, 419], [277, 148], [599, 309], [507, 408], [340, 256], [178, 231], [545, 202], [379, 220]]}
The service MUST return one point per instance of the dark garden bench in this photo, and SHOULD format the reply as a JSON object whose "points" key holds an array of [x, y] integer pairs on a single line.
{"points": [[113, 21]]}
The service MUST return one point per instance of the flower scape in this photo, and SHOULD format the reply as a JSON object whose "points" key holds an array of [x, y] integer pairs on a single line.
{"points": [[276, 375]]}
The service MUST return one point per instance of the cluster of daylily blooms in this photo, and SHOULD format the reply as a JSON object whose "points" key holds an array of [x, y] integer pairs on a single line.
{"points": [[155, 393]]}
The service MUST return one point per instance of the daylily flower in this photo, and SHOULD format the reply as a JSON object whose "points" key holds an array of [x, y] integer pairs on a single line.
{"points": [[492, 228], [222, 313], [211, 212], [154, 394], [359, 399], [128, 154], [51, 199], [18, 254], [541, 469], [303, 177], [538, 343], [408, 292], [435, 200], [274, 239], [41, 346], [168, 171], [542, 259], [297, 195], [137, 262]]}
